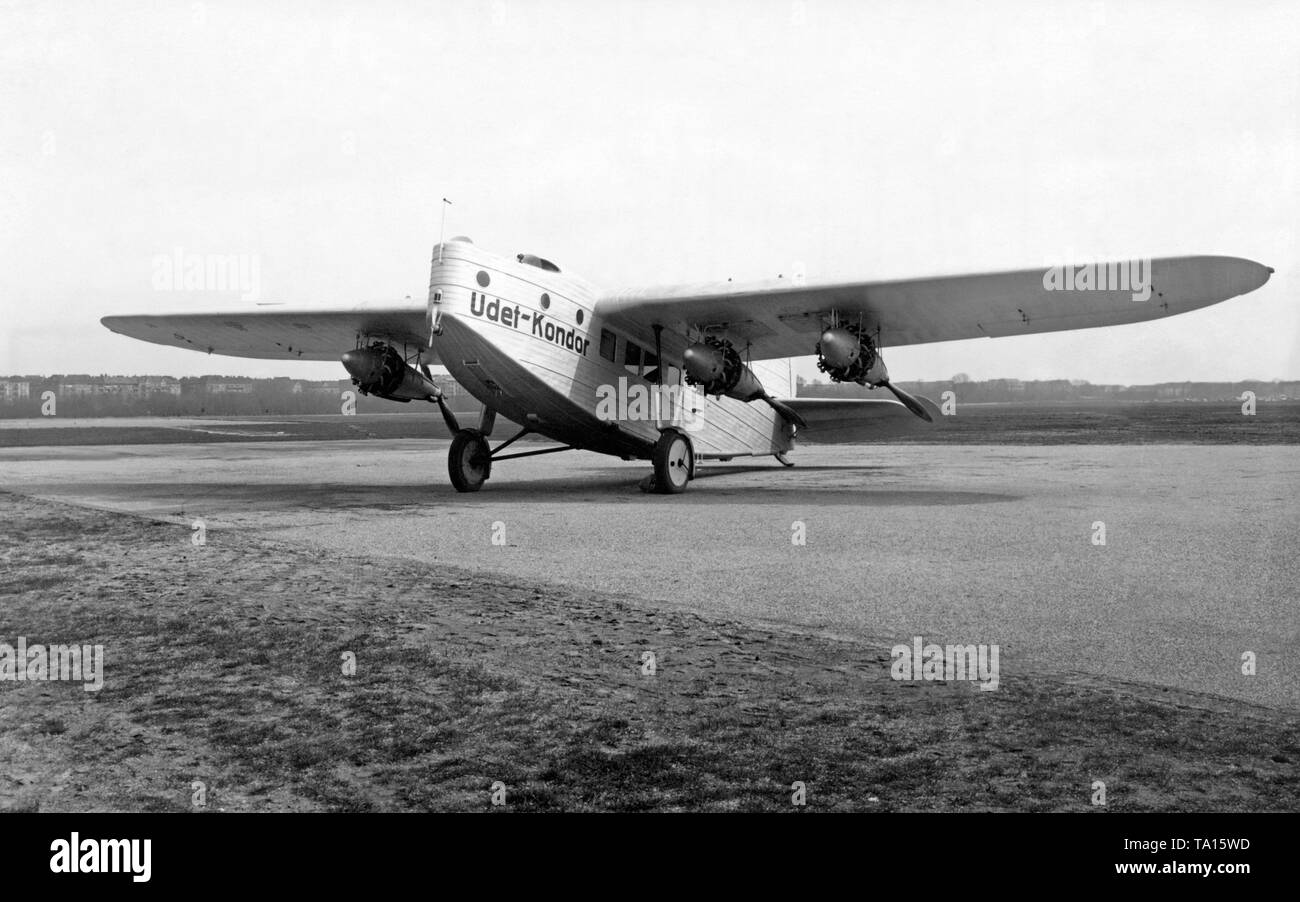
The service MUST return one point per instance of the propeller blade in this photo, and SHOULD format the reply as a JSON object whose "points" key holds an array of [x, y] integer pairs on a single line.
{"points": [[909, 402], [786, 412], [447, 416]]}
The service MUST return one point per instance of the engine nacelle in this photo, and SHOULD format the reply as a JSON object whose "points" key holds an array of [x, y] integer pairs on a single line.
{"points": [[715, 366], [847, 354], [379, 370]]}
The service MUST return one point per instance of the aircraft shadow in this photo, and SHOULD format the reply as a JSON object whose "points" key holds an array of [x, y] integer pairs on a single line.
{"points": [[616, 488]]}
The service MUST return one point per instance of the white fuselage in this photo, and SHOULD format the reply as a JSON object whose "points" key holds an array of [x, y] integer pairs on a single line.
{"points": [[529, 343]]}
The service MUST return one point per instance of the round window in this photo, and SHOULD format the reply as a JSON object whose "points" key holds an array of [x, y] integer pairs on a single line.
{"points": [[546, 302], [483, 279]]}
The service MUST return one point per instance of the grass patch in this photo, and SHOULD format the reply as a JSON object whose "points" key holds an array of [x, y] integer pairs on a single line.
{"points": [[219, 671]]}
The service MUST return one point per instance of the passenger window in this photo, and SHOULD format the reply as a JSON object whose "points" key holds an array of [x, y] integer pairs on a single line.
{"points": [[632, 358], [651, 367], [608, 344]]}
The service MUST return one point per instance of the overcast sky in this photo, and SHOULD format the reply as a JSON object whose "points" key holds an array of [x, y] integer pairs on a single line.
{"points": [[648, 143]]}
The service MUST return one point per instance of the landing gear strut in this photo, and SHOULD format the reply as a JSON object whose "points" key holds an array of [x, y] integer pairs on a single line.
{"points": [[469, 461]]}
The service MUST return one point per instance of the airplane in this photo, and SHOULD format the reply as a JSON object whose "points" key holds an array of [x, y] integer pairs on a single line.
{"points": [[676, 375]]}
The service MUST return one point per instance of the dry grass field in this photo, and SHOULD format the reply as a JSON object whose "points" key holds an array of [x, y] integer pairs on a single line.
{"points": [[224, 665]]}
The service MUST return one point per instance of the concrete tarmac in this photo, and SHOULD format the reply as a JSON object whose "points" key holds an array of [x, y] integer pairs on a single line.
{"points": [[963, 544]]}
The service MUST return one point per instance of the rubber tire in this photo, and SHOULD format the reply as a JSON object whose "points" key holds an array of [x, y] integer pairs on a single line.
{"points": [[469, 461], [673, 460]]}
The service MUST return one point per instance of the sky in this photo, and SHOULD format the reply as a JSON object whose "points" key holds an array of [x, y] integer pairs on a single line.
{"points": [[654, 143]]}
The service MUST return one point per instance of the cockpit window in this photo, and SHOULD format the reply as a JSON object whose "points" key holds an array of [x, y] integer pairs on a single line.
{"points": [[532, 260]]}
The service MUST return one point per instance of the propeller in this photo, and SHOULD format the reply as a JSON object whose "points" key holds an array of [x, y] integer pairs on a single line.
{"points": [[840, 352], [908, 401], [785, 410], [447, 416]]}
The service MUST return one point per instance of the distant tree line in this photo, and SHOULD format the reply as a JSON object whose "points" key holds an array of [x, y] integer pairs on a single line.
{"points": [[119, 396], [1008, 390], [122, 396]]}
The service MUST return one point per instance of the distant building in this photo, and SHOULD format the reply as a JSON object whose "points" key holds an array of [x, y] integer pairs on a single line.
{"points": [[14, 390], [222, 385], [114, 386], [161, 385], [332, 387], [74, 386], [119, 386]]}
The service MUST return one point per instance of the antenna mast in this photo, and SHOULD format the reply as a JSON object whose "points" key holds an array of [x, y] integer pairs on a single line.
{"points": [[442, 228]]}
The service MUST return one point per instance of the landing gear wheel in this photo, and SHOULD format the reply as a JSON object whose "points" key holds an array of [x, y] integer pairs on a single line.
{"points": [[469, 462], [674, 461]]}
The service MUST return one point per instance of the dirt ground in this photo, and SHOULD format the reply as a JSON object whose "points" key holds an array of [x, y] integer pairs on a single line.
{"points": [[225, 667]]}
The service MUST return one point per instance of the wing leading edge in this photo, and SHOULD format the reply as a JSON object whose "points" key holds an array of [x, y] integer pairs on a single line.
{"points": [[279, 332], [779, 319]]}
